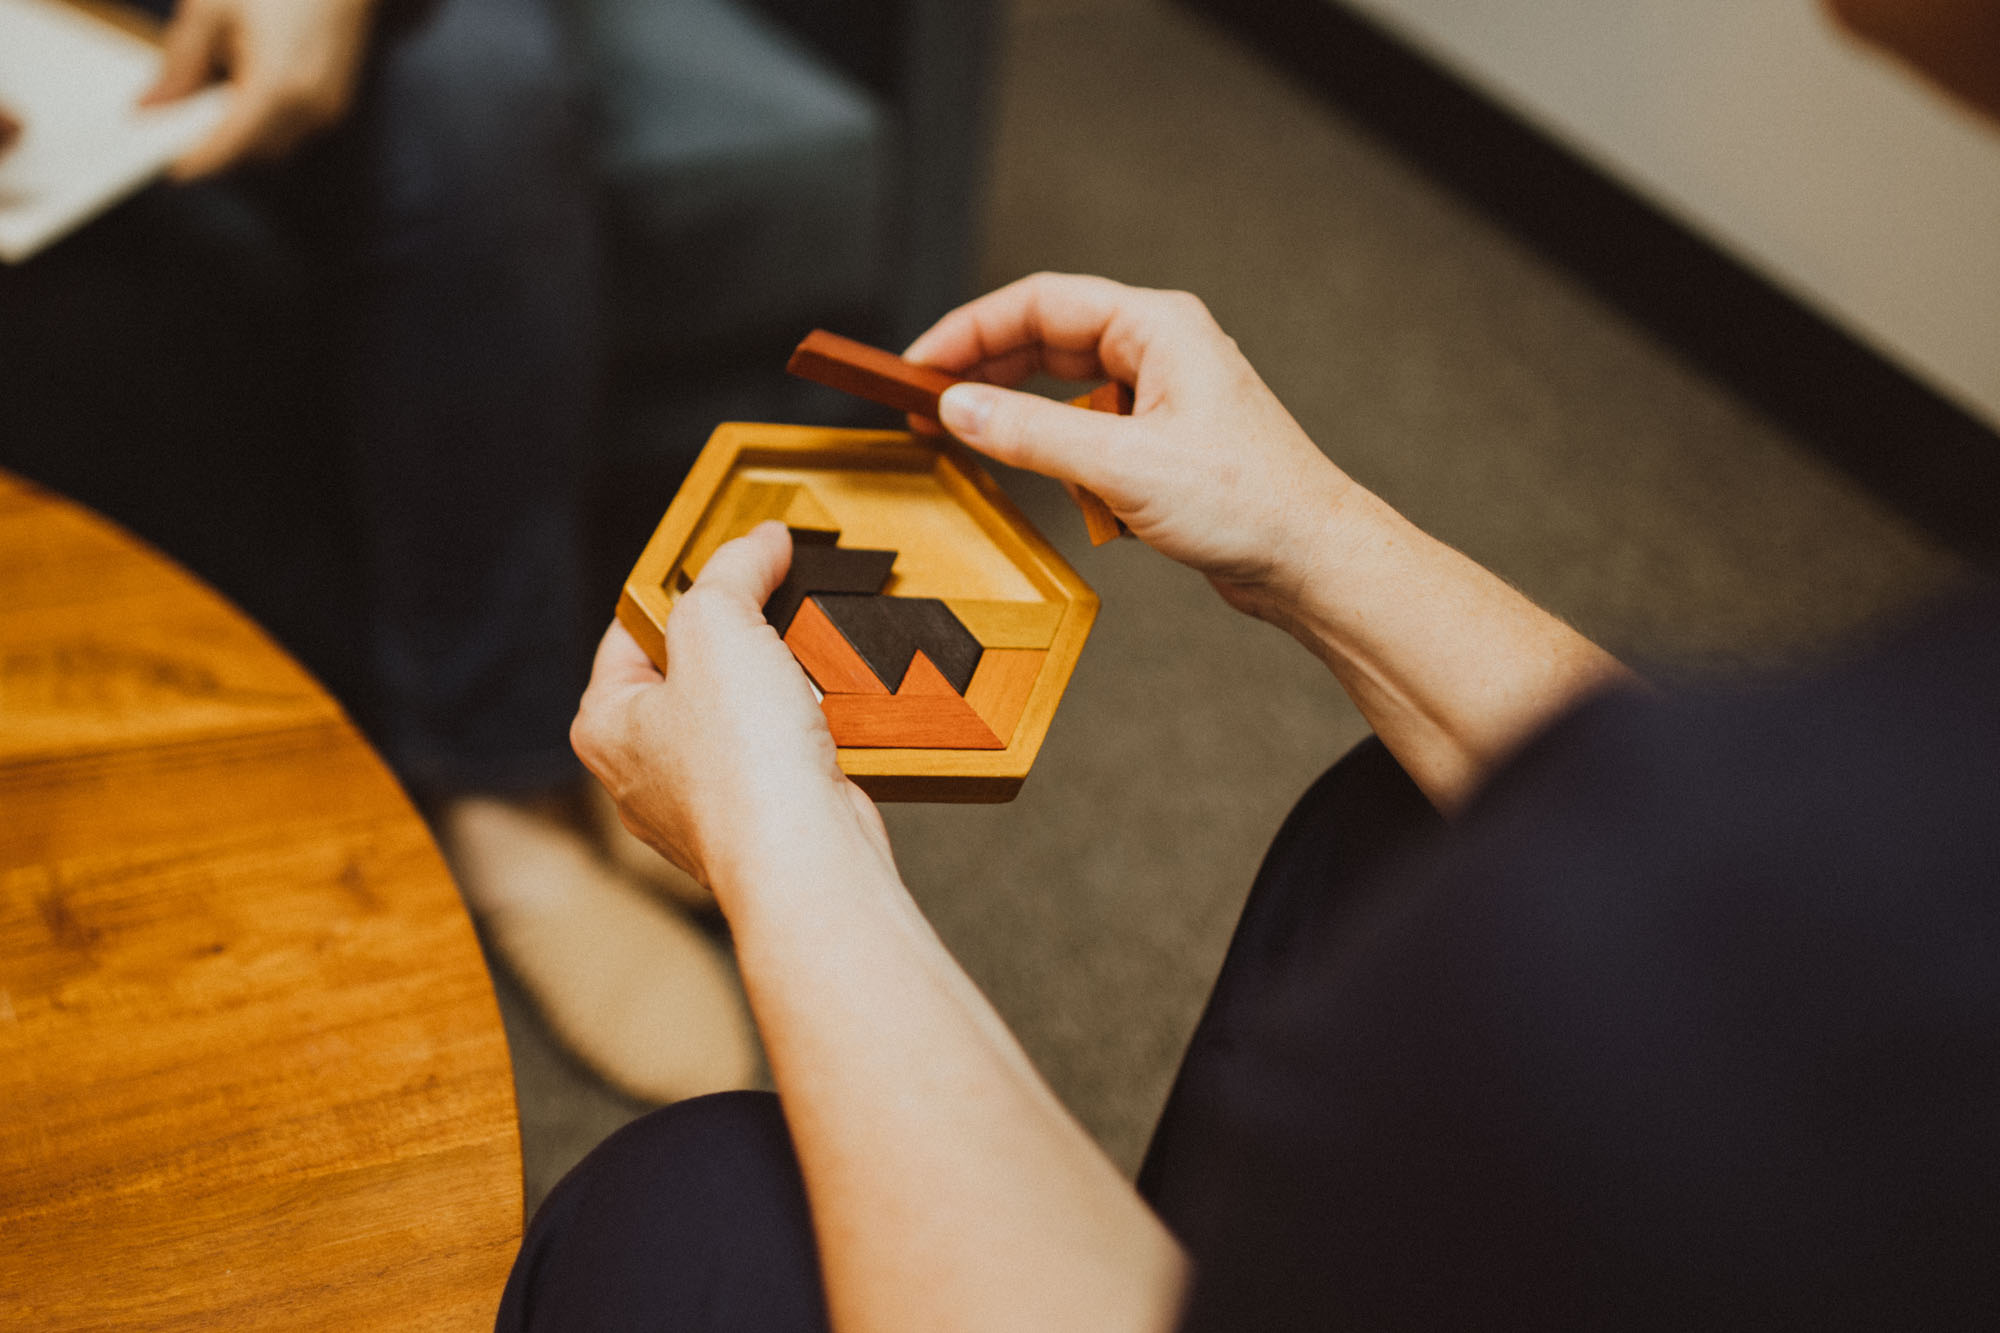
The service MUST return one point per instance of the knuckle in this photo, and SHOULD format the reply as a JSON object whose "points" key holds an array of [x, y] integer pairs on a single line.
{"points": [[692, 619], [681, 630], [1004, 424], [1185, 304], [585, 737]]}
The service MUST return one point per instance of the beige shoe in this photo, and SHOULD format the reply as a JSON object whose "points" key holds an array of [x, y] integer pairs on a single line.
{"points": [[634, 857], [633, 988]]}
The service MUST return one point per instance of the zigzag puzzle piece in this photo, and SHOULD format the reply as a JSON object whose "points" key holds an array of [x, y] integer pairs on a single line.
{"points": [[889, 631]]}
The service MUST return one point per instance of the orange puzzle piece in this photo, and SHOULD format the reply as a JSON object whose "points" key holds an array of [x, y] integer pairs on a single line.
{"points": [[923, 677], [925, 714], [827, 656], [1098, 520], [1001, 686]]}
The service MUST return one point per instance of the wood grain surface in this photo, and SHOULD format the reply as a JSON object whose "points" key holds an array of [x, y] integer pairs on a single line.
{"points": [[251, 1070]]}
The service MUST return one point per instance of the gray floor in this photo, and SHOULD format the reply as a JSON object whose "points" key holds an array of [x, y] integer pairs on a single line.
{"points": [[1475, 387]]}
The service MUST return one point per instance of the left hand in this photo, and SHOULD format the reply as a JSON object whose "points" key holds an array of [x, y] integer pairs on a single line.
{"points": [[724, 765], [293, 65]]}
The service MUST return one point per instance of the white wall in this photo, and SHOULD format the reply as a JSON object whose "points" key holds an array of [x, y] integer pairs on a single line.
{"points": [[1829, 169]]}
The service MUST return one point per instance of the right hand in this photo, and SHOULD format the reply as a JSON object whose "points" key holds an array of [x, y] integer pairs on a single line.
{"points": [[1210, 469]]}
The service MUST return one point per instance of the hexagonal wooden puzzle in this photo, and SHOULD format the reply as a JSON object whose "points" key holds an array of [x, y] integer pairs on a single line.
{"points": [[938, 627]]}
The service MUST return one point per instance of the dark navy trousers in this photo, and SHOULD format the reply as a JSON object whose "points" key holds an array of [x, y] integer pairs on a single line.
{"points": [[694, 1217]]}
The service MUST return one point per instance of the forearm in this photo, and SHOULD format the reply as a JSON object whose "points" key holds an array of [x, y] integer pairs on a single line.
{"points": [[949, 1187], [1452, 667]]}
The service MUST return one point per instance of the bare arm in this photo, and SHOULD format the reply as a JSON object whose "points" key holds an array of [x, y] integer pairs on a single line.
{"points": [[949, 1188], [1451, 667]]}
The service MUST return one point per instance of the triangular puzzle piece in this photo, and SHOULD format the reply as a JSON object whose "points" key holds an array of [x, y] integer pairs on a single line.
{"points": [[808, 519], [827, 656], [924, 678]]}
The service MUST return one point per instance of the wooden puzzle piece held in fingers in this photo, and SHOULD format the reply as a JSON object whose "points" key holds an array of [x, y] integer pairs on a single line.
{"points": [[883, 377]]}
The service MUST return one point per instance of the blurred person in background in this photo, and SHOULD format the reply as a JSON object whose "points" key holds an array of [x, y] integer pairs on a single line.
{"points": [[396, 212]]}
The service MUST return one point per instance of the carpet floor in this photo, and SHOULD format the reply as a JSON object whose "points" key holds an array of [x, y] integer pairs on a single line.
{"points": [[1465, 379]]}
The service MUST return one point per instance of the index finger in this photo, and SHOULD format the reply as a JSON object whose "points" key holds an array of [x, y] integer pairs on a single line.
{"points": [[1068, 324]]}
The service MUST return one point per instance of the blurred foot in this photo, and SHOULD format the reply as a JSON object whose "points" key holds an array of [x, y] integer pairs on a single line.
{"points": [[628, 984], [635, 858]]}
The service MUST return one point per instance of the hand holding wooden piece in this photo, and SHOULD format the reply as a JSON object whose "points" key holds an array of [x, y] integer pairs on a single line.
{"points": [[883, 377]]}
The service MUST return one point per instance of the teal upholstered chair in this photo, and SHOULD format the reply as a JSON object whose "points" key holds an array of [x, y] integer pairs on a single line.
{"points": [[769, 166]]}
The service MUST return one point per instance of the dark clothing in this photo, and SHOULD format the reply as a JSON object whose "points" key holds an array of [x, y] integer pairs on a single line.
{"points": [[1691, 1020], [693, 1217], [357, 381]]}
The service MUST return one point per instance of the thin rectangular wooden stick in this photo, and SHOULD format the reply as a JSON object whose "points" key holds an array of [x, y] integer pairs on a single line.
{"points": [[869, 372], [883, 377]]}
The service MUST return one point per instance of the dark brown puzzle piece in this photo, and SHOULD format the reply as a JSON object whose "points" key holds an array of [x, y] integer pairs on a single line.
{"points": [[888, 631], [821, 568]]}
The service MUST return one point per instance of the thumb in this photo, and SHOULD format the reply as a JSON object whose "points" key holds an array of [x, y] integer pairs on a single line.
{"points": [[1030, 431], [751, 567], [188, 59]]}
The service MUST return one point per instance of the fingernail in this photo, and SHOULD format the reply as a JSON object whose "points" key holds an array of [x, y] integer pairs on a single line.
{"points": [[964, 409]]}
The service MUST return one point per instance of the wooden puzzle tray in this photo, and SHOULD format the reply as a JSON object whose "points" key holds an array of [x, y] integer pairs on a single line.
{"points": [[937, 625]]}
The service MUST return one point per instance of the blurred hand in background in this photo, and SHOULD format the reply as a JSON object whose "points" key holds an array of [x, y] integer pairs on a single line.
{"points": [[292, 64]]}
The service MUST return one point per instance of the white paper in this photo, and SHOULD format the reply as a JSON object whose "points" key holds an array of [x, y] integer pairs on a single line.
{"points": [[73, 82]]}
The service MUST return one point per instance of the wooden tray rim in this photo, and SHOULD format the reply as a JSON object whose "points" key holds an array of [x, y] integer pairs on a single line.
{"points": [[885, 774]]}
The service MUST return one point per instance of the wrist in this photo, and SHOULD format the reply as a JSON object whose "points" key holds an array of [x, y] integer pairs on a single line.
{"points": [[774, 864], [1315, 554]]}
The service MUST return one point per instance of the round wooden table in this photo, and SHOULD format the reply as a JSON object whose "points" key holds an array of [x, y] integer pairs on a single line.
{"points": [[251, 1070]]}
